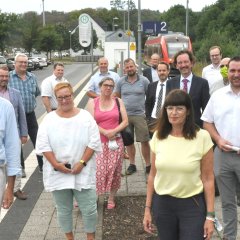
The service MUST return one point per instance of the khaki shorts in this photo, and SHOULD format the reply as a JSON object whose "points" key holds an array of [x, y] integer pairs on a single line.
{"points": [[139, 125]]}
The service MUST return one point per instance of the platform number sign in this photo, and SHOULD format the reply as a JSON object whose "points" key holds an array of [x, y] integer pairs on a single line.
{"points": [[154, 28]]}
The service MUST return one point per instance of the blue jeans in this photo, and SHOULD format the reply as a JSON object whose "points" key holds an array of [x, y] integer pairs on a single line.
{"points": [[179, 218], [87, 203]]}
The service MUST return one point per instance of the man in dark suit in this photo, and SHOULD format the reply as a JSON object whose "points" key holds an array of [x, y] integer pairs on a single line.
{"points": [[197, 87], [156, 94], [151, 73]]}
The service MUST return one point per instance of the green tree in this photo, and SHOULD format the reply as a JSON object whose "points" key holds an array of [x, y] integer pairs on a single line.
{"points": [[49, 39], [7, 24], [30, 31]]}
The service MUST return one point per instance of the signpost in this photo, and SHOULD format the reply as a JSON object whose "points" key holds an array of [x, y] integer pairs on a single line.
{"points": [[86, 33], [154, 28], [85, 30]]}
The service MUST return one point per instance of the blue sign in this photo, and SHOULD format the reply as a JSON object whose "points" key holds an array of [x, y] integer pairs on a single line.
{"points": [[154, 28]]}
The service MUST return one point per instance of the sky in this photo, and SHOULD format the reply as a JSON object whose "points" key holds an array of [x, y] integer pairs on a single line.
{"points": [[21, 6]]}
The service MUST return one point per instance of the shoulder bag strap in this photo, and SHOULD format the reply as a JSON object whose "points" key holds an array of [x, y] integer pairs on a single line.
{"points": [[120, 115]]}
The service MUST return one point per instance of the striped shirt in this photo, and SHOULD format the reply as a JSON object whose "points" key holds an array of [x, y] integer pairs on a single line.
{"points": [[28, 88]]}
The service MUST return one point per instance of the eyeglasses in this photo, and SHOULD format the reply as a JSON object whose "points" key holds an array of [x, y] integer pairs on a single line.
{"points": [[108, 86], [178, 109], [67, 97], [221, 66]]}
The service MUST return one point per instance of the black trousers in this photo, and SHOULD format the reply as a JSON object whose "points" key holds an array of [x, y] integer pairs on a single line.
{"points": [[179, 218], [32, 132]]}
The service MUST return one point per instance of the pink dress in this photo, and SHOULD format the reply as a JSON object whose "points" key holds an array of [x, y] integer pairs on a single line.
{"points": [[109, 162]]}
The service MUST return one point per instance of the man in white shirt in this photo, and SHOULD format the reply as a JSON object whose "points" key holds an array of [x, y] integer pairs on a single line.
{"points": [[221, 119], [48, 84], [156, 94], [94, 90], [212, 71]]}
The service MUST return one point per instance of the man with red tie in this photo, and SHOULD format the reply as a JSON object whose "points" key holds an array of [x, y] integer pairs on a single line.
{"points": [[197, 87]]}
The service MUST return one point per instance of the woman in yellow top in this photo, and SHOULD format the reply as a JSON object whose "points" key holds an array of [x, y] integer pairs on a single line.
{"points": [[180, 188]]}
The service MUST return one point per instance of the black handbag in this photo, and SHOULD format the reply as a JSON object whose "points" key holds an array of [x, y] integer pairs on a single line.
{"points": [[126, 132]]}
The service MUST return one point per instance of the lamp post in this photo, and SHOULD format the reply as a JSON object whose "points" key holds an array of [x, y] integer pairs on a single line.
{"points": [[70, 43], [113, 24]]}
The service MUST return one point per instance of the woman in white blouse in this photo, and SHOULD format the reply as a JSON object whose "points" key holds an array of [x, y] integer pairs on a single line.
{"points": [[68, 138]]}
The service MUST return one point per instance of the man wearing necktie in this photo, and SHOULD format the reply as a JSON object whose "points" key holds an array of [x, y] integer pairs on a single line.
{"points": [[197, 87], [156, 94], [151, 73]]}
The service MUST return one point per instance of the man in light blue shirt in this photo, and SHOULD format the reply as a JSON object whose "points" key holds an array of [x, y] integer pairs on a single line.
{"points": [[94, 90], [9, 152]]}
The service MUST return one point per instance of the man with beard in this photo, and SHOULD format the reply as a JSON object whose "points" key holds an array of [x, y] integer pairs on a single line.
{"points": [[156, 94], [151, 73], [14, 97], [197, 87], [221, 120], [132, 89]]}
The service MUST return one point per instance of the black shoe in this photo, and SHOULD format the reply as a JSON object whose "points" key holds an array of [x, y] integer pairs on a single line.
{"points": [[20, 195], [131, 169], [148, 168], [40, 169]]}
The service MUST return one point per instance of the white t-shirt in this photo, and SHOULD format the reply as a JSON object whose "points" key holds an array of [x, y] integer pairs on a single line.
{"points": [[47, 88], [214, 78], [68, 138]]}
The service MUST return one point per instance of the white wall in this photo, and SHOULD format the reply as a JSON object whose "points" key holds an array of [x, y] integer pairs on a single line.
{"points": [[112, 51]]}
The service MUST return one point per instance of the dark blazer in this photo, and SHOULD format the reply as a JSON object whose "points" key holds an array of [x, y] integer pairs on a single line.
{"points": [[199, 93], [150, 99], [148, 74]]}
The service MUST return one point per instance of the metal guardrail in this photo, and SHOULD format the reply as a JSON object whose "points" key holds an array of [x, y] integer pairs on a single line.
{"points": [[87, 58]]}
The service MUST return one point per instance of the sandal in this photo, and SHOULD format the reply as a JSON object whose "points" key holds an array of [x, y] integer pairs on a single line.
{"points": [[111, 205]]}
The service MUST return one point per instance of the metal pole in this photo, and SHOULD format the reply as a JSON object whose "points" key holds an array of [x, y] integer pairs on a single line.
{"points": [[187, 18], [124, 21], [70, 44], [43, 14], [139, 38], [92, 46], [128, 30]]}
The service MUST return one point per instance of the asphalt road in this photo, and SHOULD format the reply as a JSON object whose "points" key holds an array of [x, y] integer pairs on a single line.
{"points": [[72, 72]]}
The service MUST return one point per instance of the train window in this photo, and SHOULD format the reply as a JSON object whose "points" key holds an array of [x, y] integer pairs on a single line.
{"points": [[174, 47]]}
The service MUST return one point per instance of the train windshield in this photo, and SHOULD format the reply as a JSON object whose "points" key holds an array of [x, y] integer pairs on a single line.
{"points": [[174, 47]]}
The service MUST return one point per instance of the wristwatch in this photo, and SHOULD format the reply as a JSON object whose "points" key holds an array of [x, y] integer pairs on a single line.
{"points": [[83, 163]]}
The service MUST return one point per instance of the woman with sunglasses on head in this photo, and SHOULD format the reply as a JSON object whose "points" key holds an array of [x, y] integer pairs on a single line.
{"points": [[69, 138], [180, 190], [109, 162]]}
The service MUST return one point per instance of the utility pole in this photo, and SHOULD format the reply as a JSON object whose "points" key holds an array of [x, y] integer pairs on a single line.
{"points": [[129, 35], [139, 38], [43, 14], [187, 18]]}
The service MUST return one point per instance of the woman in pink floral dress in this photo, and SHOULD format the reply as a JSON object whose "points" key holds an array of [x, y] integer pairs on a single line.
{"points": [[109, 162]]}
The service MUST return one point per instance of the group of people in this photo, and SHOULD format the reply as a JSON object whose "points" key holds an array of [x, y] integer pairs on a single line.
{"points": [[210, 103], [80, 152]]}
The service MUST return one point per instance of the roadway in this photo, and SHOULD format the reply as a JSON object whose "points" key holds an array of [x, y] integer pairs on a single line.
{"points": [[14, 219]]}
